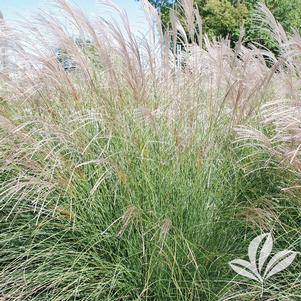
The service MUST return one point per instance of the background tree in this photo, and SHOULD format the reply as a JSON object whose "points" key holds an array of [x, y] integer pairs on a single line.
{"points": [[163, 6], [286, 12], [86, 46], [223, 18]]}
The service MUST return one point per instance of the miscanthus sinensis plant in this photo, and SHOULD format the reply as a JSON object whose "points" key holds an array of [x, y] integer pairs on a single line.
{"points": [[140, 173]]}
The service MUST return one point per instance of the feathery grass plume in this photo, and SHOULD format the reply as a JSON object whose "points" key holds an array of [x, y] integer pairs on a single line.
{"points": [[267, 22], [131, 214], [100, 119], [164, 228]]}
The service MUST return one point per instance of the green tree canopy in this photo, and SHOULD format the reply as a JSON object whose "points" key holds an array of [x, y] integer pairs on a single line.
{"points": [[223, 18], [163, 6]]}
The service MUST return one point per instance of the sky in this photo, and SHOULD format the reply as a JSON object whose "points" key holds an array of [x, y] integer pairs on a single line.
{"points": [[14, 9]]}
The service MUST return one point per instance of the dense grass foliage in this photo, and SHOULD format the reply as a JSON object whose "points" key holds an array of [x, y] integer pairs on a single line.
{"points": [[136, 177]]}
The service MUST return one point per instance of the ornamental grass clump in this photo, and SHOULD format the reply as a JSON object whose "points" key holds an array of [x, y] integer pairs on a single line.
{"points": [[130, 172]]}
